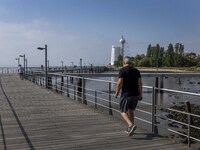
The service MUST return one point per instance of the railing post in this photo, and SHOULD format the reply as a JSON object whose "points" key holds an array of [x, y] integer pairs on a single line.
{"points": [[49, 82], [153, 110], [110, 106], [74, 92], [62, 83], [154, 122], [83, 91], [67, 86], [95, 99], [79, 89], [40, 80], [189, 123], [56, 84]]}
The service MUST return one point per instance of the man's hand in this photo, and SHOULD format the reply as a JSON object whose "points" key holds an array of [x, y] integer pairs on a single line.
{"points": [[116, 95], [140, 97]]}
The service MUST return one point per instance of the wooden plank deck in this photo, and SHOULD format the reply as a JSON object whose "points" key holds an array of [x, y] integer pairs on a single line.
{"points": [[32, 117]]}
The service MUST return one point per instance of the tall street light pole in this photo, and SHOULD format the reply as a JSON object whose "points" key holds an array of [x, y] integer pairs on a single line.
{"points": [[45, 48], [62, 66], [24, 62], [47, 64], [17, 60]]}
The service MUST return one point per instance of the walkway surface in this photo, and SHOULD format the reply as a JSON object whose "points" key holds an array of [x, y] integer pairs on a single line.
{"points": [[32, 117]]}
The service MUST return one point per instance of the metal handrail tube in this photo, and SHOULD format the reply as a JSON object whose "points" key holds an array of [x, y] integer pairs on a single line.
{"points": [[177, 91], [143, 120], [145, 103], [183, 112], [179, 133], [146, 112], [98, 80], [182, 123]]}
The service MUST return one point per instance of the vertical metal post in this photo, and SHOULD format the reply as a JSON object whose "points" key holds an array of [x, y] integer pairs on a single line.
{"points": [[95, 99], [67, 86], [189, 123], [24, 64], [153, 110], [62, 83], [74, 92], [46, 66], [56, 84], [110, 106], [83, 91]]}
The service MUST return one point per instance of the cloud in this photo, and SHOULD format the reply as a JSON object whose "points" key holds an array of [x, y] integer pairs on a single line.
{"points": [[17, 38]]}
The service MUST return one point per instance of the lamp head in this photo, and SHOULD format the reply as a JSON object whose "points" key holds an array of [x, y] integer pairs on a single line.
{"points": [[40, 48]]}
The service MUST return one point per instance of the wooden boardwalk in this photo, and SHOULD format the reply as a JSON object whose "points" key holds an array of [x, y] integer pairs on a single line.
{"points": [[32, 117]]}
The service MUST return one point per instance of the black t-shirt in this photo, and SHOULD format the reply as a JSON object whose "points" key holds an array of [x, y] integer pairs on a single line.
{"points": [[130, 77]]}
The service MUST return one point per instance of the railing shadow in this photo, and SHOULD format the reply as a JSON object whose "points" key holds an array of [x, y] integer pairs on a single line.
{"points": [[3, 135], [145, 136], [31, 146]]}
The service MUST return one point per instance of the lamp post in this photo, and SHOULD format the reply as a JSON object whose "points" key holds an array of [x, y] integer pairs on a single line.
{"points": [[45, 48], [18, 61], [62, 66], [24, 62], [48, 64]]}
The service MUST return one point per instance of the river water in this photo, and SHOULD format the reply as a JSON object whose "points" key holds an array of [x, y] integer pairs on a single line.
{"points": [[188, 84]]}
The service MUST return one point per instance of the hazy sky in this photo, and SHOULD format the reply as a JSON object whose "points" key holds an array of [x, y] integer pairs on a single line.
{"points": [[87, 29]]}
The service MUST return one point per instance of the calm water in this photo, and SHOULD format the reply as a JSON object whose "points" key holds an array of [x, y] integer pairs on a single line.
{"points": [[182, 84]]}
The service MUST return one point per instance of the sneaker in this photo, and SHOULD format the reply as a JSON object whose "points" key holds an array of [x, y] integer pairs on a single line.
{"points": [[127, 130], [131, 130]]}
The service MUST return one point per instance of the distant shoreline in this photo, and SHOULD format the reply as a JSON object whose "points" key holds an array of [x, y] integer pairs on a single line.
{"points": [[167, 70]]}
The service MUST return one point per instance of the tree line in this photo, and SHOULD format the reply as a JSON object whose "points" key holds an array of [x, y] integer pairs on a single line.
{"points": [[157, 56]]}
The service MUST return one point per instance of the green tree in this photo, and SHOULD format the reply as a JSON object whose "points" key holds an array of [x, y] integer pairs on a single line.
{"points": [[169, 56], [144, 62]]}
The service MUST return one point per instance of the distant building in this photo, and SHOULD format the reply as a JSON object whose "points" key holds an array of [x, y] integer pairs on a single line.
{"points": [[115, 52]]}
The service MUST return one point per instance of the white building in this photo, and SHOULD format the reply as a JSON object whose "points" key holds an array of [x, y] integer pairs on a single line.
{"points": [[115, 52]]}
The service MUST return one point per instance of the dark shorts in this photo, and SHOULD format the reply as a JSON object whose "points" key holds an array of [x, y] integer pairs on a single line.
{"points": [[128, 103]]}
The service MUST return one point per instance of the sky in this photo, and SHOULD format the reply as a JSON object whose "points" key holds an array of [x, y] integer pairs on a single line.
{"points": [[87, 29]]}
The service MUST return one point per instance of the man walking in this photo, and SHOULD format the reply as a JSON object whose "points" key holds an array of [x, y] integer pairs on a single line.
{"points": [[21, 72], [130, 84]]}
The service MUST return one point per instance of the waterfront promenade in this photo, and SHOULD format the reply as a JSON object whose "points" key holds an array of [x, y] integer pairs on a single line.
{"points": [[32, 117]]}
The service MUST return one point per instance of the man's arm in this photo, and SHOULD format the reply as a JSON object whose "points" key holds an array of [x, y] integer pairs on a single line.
{"points": [[119, 86], [140, 88]]}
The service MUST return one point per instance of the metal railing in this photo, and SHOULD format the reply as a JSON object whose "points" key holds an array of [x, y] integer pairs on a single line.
{"points": [[5, 70], [89, 91]]}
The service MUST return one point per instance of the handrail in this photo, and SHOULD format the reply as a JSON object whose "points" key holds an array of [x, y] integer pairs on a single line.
{"points": [[70, 86]]}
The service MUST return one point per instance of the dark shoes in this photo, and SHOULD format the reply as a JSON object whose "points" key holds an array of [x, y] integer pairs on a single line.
{"points": [[130, 130]]}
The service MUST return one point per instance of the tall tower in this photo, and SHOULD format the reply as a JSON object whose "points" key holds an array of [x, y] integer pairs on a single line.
{"points": [[122, 41]]}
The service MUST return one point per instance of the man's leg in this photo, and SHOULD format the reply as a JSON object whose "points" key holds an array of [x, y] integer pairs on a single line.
{"points": [[126, 118], [131, 115]]}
